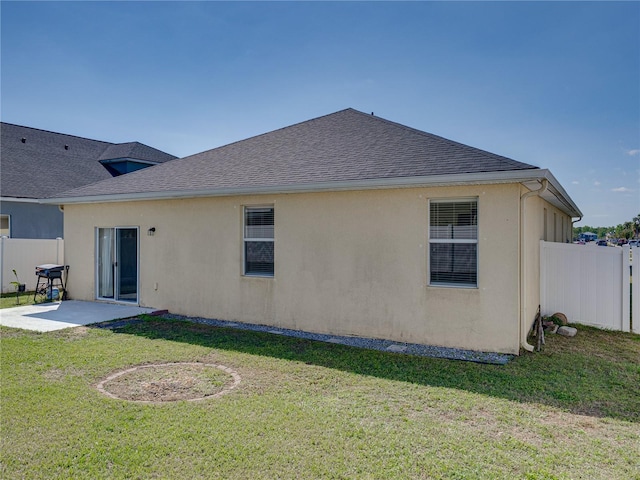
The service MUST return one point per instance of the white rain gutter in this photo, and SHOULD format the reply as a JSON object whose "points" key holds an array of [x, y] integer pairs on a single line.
{"points": [[561, 198], [19, 199], [524, 330]]}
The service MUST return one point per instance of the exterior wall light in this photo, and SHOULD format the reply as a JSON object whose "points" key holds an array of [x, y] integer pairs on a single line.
{"points": [[151, 232]]}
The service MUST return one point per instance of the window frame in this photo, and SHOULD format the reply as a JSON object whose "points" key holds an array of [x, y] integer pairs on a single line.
{"points": [[245, 239], [8, 217], [453, 241]]}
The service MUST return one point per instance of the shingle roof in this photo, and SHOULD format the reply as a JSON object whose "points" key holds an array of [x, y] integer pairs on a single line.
{"points": [[344, 146], [135, 150], [48, 163]]}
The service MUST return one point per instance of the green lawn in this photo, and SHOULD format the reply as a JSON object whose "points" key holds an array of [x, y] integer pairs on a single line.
{"points": [[10, 300], [306, 409]]}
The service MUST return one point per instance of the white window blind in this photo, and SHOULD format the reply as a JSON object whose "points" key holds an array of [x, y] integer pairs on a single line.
{"points": [[259, 241], [453, 242]]}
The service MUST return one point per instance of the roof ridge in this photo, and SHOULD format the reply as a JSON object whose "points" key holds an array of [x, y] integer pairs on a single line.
{"points": [[271, 131], [439, 137], [57, 133], [135, 146], [103, 144]]}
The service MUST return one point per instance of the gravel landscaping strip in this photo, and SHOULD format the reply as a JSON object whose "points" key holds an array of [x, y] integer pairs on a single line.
{"points": [[360, 342]]}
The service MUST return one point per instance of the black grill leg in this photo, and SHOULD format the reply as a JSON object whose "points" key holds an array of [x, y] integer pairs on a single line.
{"points": [[35, 294]]}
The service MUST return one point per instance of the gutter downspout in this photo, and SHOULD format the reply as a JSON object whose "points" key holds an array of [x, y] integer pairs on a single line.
{"points": [[523, 265], [2, 263], [572, 227]]}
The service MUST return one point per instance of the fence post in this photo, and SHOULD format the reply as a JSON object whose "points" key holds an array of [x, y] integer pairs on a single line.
{"points": [[544, 251], [635, 299], [626, 288], [58, 249]]}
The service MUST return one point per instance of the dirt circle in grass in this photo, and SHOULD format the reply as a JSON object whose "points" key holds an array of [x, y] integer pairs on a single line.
{"points": [[170, 382]]}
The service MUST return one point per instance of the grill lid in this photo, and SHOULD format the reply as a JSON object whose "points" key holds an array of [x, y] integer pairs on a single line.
{"points": [[48, 269]]}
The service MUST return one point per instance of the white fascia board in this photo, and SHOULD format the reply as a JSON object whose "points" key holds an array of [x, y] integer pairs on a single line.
{"points": [[510, 176], [557, 196], [19, 200]]}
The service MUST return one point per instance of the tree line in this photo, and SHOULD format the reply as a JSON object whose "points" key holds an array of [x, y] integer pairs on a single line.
{"points": [[628, 230]]}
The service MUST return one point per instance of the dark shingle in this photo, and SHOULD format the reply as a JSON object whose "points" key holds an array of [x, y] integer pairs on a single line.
{"points": [[136, 151], [47, 163], [341, 147]]}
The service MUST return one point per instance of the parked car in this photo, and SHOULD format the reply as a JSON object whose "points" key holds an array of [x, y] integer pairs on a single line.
{"points": [[622, 241], [601, 243], [634, 243]]}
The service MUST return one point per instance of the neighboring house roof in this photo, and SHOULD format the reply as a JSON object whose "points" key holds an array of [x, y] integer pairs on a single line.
{"points": [[344, 150], [135, 150], [38, 163]]}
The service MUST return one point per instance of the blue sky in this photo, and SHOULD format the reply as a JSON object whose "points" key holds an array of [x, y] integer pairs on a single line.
{"points": [[554, 84]]}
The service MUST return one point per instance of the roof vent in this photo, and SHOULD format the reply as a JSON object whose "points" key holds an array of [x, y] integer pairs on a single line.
{"points": [[23, 140], [66, 147]]}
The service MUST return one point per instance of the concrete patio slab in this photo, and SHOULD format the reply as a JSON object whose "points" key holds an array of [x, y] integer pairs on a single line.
{"points": [[46, 317]]}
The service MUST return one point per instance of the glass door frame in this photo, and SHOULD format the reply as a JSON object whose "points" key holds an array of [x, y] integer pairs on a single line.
{"points": [[114, 257]]}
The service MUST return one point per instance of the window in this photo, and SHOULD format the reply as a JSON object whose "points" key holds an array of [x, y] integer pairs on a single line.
{"points": [[124, 165], [453, 242], [258, 241], [5, 229]]}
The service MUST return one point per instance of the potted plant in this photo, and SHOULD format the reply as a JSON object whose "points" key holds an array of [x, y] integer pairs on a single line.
{"points": [[19, 287]]}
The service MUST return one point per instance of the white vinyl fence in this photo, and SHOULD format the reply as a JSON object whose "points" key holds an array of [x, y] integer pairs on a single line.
{"points": [[23, 255], [591, 285]]}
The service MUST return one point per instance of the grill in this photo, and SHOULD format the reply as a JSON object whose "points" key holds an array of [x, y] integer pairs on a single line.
{"points": [[49, 271], [50, 281]]}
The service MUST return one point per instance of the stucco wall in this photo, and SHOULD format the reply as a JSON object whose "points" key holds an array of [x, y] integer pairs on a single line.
{"points": [[542, 221], [345, 263]]}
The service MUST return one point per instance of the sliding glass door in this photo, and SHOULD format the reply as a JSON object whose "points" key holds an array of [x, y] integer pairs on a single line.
{"points": [[117, 264]]}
